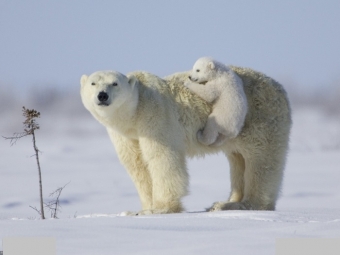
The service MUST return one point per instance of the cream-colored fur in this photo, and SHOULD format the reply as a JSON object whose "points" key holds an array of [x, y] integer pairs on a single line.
{"points": [[153, 122], [217, 84]]}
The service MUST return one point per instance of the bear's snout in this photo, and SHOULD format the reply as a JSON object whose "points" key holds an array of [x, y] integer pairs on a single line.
{"points": [[192, 79], [103, 96]]}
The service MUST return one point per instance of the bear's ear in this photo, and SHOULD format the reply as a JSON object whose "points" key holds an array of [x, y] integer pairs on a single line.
{"points": [[83, 80], [211, 65], [132, 80]]}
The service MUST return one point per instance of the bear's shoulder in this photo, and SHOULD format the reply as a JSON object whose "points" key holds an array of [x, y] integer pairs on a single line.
{"points": [[152, 88], [149, 80]]}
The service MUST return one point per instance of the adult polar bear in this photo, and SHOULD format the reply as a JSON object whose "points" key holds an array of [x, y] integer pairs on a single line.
{"points": [[153, 122]]}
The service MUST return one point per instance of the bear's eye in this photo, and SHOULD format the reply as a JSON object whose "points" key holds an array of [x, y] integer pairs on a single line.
{"points": [[114, 84], [198, 70], [93, 83]]}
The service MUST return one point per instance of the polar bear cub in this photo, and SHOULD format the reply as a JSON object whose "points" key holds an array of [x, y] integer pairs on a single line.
{"points": [[216, 83]]}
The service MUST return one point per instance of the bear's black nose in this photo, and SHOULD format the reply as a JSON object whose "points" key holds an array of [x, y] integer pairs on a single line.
{"points": [[189, 77], [103, 96]]}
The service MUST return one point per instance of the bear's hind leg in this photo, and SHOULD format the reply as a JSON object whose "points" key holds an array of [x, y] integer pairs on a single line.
{"points": [[262, 181], [237, 167], [263, 177]]}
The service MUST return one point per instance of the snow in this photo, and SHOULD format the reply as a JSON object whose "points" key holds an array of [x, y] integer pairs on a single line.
{"points": [[90, 222]]}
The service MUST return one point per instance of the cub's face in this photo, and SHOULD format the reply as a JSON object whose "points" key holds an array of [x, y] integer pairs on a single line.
{"points": [[202, 71], [105, 91]]}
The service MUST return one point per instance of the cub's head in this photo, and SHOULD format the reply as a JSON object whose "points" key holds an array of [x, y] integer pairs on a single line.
{"points": [[202, 70], [205, 69], [105, 91]]}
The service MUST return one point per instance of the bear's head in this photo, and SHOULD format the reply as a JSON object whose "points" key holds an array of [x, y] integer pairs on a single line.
{"points": [[105, 91], [205, 69]]}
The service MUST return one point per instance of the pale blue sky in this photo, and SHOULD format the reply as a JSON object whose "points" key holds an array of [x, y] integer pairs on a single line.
{"points": [[55, 42]]}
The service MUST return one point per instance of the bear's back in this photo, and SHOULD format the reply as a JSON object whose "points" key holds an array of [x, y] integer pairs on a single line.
{"points": [[269, 111], [267, 122]]}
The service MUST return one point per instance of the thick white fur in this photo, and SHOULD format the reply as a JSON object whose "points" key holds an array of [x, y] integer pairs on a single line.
{"points": [[153, 122], [216, 83]]}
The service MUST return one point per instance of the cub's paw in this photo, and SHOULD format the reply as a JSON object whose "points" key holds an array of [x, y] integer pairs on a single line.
{"points": [[220, 140], [205, 139], [188, 83]]}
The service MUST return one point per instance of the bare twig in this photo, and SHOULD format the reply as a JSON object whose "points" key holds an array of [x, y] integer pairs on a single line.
{"points": [[34, 208], [16, 136], [54, 205]]}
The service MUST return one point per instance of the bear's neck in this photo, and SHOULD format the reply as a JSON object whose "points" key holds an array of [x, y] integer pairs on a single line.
{"points": [[123, 118]]}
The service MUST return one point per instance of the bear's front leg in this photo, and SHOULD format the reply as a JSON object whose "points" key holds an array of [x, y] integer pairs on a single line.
{"points": [[167, 166], [130, 156]]}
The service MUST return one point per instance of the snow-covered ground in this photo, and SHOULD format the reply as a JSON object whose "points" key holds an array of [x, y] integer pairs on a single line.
{"points": [[76, 149]]}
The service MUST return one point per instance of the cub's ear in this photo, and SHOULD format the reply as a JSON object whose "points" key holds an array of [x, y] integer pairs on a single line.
{"points": [[132, 80], [83, 79], [211, 65]]}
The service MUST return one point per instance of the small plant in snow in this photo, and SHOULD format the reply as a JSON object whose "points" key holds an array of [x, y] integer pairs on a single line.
{"points": [[30, 126]]}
